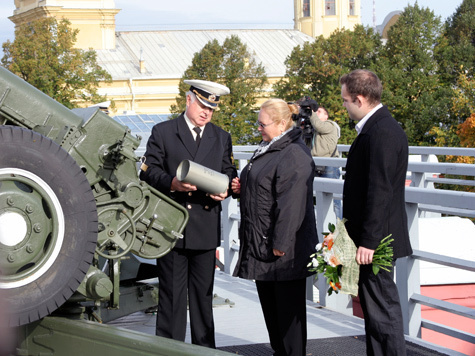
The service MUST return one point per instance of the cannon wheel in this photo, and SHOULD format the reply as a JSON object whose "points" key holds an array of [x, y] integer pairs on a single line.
{"points": [[48, 224]]}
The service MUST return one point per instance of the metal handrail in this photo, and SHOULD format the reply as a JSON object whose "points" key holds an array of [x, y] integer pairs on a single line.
{"points": [[421, 197]]}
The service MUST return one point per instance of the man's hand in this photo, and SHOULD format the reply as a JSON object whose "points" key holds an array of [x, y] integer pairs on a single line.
{"points": [[321, 114], [219, 197], [179, 186], [364, 256], [278, 252]]}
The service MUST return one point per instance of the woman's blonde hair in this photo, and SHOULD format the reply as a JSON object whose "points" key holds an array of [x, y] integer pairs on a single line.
{"points": [[279, 110]]}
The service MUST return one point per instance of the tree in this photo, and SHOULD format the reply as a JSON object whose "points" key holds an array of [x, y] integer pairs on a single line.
{"points": [[314, 70], [230, 64], [465, 98], [466, 132], [455, 54], [43, 55], [413, 90], [460, 35]]}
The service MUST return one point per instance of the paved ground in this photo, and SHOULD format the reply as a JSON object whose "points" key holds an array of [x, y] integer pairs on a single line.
{"points": [[239, 321], [240, 327]]}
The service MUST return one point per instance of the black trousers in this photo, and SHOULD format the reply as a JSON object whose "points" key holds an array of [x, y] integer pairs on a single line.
{"points": [[186, 276], [284, 306], [382, 313]]}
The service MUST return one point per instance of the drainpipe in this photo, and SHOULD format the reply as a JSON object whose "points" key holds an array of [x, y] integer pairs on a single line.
{"points": [[132, 94]]}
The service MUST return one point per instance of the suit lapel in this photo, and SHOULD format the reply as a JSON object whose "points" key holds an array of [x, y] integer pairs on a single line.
{"points": [[208, 140], [377, 116], [353, 145], [185, 136], [374, 119]]}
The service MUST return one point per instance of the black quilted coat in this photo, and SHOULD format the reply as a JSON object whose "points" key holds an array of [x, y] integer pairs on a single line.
{"points": [[277, 212]]}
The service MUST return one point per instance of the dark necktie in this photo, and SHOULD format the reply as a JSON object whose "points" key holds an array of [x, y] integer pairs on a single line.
{"points": [[198, 137]]}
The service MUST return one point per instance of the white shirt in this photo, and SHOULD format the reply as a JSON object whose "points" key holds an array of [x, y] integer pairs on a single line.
{"points": [[359, 126], [191, 127]]}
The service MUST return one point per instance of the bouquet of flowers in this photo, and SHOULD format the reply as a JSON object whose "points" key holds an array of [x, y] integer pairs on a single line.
{"points": [[335, 259]]}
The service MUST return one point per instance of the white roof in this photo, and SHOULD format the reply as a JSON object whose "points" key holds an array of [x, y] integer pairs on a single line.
{"points": [[167, 54]]}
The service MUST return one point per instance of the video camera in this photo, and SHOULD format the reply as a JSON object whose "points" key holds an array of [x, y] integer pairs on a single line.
{"points": [[302, 119]]}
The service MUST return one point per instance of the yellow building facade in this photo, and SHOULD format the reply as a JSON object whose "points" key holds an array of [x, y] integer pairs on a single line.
{"points": [[95, 19], [322, 17]]}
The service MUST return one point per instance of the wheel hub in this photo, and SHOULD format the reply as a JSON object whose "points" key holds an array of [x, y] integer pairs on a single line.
{"points": [[32, 227], [13, 229]]}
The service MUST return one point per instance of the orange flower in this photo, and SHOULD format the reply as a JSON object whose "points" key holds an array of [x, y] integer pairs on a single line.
{"points": [[333, 261], [335, 286], [328, 241]]}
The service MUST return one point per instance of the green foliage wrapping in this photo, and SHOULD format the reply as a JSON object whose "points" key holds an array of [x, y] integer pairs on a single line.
{"points": [[233, 65], [43, 55], [341, 270], [383, 256]]}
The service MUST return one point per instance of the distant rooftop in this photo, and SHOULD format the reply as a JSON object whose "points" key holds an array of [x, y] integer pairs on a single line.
{"points": [[167, 54]]}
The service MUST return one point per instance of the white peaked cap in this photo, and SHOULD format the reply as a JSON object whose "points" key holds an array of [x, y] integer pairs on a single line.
{"points": [[207, 92]]}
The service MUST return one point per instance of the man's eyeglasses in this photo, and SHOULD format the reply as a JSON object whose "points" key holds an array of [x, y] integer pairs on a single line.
{"points": [[263, 126]]}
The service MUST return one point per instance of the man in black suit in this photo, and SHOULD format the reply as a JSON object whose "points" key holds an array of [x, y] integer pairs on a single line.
{"points": [[374, 206], [186, 274]]}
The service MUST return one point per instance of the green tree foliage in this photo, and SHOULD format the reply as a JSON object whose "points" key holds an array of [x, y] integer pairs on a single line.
{"points": [[457, 58], [413, 90], [43, 55], [419, 66], [462, 135], [230, 64], [314, 69], [464, 100], [460, 35]]}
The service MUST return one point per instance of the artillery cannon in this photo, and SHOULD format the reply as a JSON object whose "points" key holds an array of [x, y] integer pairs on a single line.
{"points": [[73, 215]]}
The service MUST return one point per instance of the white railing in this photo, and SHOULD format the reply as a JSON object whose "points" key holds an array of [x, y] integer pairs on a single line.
{"points": [[421, 198]]}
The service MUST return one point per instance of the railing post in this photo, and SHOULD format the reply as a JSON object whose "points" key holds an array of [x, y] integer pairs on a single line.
{"points": [[408, 277], [242, 163], [323, 206], [230, 234]]}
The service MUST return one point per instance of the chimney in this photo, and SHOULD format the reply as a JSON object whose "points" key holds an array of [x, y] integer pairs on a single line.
{"points": [[142, 62]]}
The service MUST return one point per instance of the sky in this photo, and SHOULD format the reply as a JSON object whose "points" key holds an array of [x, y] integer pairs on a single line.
{"points": [[139, 15]]}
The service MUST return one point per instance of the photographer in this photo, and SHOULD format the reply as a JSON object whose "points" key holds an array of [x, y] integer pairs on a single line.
{"points": [[324, 143]]}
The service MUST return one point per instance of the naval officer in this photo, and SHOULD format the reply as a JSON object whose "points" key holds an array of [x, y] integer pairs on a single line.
{"points": [[186, 274]]}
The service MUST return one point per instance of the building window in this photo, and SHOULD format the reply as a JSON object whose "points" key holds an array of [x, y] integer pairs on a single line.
{"points": [[330, 8], [352, 8], [306, 8]]}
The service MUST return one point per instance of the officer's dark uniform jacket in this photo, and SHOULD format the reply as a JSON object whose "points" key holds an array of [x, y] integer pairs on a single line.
{"points": [[170, 143], [277, 212]]}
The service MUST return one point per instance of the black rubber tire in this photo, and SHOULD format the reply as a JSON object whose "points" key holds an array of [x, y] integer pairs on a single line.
{"points": [[23, 150]]}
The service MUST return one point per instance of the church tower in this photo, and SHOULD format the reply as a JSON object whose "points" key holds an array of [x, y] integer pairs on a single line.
{"points": [[322, 17], [95, 19]]}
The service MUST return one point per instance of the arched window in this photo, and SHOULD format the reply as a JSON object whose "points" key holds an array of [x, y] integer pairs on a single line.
{"points": [[330, 7], [306, 8], [351, 10]]}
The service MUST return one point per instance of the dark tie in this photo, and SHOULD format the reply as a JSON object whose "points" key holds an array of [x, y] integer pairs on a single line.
{"points": [[198, 137]]}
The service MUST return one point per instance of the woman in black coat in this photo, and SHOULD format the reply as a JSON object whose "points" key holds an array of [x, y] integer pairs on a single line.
{"points": [[278, 231]]}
